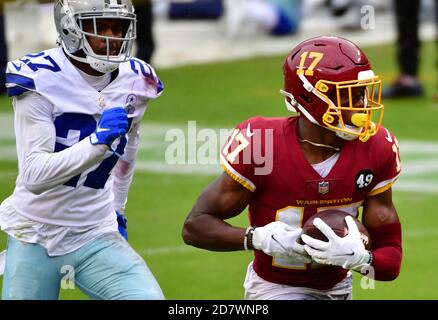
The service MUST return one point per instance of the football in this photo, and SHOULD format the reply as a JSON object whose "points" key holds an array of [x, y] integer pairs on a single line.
{"points": [[336, 220]]}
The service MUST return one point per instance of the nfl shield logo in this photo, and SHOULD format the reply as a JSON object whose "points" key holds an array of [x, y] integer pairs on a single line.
{"points": [[323, 187]]}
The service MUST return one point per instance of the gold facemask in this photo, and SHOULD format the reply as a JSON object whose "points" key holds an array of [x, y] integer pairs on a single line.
{"points": [[354, 121]]}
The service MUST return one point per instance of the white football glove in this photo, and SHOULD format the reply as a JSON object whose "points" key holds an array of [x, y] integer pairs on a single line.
{"points": [[348, 252], [279, 240]]}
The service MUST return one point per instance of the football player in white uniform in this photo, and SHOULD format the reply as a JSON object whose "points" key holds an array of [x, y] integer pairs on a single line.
{"points": [[77, 109]]}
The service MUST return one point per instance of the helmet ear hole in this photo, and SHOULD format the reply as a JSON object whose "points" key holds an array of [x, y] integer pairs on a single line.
{"points": [[67, 24], [307, 99]]}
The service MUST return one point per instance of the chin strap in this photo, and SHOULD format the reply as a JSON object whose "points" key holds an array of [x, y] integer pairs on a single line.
{"points": [[96, 64], [102, 66], [293, 105], [345, 135], [361, 120]]}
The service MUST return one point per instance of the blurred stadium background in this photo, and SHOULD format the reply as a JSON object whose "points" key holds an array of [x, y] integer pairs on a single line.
{"points": [[218, 80]]}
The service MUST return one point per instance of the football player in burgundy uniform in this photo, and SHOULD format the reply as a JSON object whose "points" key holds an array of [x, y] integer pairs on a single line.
{"points": [[335, 154]]}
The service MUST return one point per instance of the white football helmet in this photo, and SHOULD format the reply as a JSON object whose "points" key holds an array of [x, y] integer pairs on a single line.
{"points": [[69, 20]]}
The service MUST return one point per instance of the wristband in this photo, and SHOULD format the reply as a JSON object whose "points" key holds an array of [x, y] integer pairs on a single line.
{"points": [[247, 240]]}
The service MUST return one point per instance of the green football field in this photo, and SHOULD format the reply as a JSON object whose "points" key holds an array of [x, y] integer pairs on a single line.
{"points": [[219, 96]]}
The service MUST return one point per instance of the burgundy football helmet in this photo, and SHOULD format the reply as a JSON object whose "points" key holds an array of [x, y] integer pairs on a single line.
{"points": [[330, 81]]}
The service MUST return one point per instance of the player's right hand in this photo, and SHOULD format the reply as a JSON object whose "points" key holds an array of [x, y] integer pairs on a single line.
{"points": [[112, 124], [279, 240], [347, 252]]}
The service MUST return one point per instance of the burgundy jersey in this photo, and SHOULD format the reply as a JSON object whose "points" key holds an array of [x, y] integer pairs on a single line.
{"points": [[264, 155]]}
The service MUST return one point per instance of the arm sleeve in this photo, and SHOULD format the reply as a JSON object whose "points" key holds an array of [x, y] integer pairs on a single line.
{"points": [[124, 169], [387, 251], [41, 168]]}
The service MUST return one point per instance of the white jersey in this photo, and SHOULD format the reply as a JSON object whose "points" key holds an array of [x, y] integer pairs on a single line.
{"points": [[63, 179]]}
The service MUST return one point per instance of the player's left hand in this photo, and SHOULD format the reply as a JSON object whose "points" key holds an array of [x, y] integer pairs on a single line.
{"points": [[123, 224], [348, 252]]}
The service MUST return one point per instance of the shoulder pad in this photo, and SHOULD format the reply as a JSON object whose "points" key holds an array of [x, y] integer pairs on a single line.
{"points": [[21, 74], [150, 78]]}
